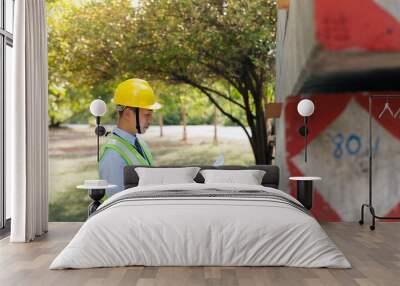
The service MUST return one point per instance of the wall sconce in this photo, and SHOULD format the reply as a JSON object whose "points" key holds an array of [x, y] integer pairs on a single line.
{"points": [[98, 108], [305, 108]]}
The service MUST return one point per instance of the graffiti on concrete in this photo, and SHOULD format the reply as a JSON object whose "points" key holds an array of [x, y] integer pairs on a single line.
{"points": [[338, 152], [351, 144]]}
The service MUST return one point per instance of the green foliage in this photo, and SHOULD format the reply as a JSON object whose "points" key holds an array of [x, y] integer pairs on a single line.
{"points": [[59, 107], [206, 40], [65, 103], [174, 96], [71, 65]]}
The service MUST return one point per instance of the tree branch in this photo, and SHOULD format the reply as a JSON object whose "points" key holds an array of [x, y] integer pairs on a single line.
{"points": [[207, 91], [225, 97], [195, 84], [220, 72]]}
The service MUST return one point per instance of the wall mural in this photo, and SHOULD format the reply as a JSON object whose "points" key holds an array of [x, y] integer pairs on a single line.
{"points": [[338, 152]]}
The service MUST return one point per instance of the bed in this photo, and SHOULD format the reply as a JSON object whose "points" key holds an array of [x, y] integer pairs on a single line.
{"points": [[197, 224]]}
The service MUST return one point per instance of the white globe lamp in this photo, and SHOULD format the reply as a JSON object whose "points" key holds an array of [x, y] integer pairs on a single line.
{"points": [[98, 108], [305, 108]]}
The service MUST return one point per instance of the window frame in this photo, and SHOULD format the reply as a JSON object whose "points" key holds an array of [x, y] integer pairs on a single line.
{"points": [[6, 39]]}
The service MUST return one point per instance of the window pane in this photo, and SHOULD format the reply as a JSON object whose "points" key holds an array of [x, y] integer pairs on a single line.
{"points": [[1, 15], [8, 89], [10, 15], [2, 201]]}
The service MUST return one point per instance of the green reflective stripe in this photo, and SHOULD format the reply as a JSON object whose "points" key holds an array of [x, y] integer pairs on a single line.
{"points": [[146, 151], [102, 151], [118, 150], [134, 156], [131, 149]]}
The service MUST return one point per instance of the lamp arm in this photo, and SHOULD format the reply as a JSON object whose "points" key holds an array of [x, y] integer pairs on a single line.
{"points": [[98, 140], [305, 137]]}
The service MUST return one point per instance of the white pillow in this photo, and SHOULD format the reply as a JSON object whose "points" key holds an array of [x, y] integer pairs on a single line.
{"points": [[248, 177], [166, 176]]}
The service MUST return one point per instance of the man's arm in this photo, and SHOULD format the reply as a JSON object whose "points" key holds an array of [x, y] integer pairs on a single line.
{"points": [[112, 169]]}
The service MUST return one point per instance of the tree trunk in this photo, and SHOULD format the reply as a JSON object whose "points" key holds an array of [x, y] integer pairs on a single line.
{"points": [[54, 123], [215, 126], [261, 150], [261, 147], [184, 122], [161, 123]]}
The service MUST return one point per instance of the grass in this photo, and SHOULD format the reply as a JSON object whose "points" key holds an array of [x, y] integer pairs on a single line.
{"points": [[73, 159]]}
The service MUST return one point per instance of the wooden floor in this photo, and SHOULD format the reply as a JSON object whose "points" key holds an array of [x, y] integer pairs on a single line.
{"points": [[375, 257]]}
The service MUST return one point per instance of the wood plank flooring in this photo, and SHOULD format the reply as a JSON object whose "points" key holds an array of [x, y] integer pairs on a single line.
{"points": [[375, 257]]}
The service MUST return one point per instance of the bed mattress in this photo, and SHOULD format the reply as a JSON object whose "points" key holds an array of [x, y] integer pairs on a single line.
{"points": [[201, 225]]}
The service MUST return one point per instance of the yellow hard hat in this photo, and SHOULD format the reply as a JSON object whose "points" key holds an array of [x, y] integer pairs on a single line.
{"points": [[136, 93]]}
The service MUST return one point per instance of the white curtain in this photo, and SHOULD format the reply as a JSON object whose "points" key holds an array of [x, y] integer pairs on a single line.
{"points": [[27, 124]]}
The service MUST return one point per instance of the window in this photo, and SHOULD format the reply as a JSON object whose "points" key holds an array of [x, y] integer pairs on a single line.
{"points": [[7, 62], [9, 16]]}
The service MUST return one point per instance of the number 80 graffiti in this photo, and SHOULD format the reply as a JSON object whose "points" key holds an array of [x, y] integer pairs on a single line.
{"points": [[352, 145]]}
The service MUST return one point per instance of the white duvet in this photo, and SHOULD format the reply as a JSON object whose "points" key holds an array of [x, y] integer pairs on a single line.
{"points": [[200, 231]]}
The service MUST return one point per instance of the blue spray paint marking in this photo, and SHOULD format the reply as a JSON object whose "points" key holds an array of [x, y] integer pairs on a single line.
{"points": [[352, 145], [337, 141]]}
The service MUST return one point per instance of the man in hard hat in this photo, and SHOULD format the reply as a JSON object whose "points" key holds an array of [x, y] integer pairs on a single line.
{"points": [[135, 102]]}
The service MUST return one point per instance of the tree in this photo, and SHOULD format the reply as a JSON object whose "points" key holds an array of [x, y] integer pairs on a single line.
{"points": [[205, 44], [202, 42]]}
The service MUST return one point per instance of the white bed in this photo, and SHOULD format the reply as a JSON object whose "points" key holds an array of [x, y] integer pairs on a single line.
{"points": [[185, 230]]}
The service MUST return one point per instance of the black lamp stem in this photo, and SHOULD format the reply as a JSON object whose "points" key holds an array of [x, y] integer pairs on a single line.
{"points": [[305, 137], [98, 139]]}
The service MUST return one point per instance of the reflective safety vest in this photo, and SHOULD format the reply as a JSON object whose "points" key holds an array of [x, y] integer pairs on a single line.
{"points": [[127, 151]]}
